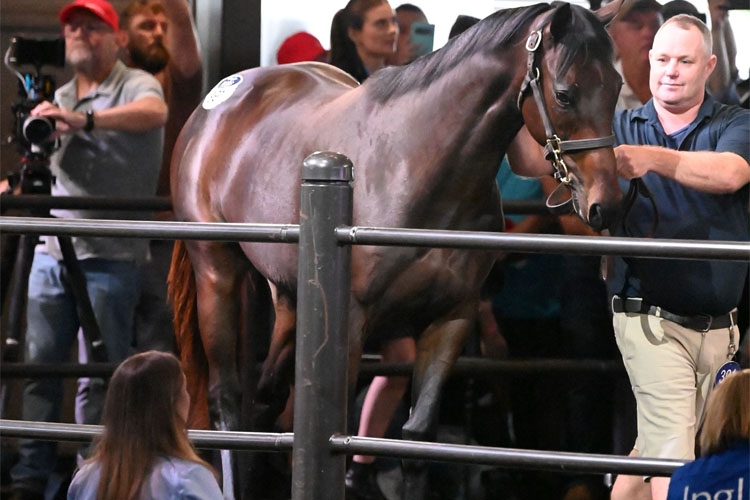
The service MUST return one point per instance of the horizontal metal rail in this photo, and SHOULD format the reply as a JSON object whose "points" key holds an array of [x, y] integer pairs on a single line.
{"points": [[547, 243], [225, 440], [225, 231], [163, 203], [370, 366], [289, 233], [442, 452], [504, 457]]}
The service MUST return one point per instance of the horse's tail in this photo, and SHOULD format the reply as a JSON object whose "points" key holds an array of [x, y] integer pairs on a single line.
{"points": [[183, 295]]}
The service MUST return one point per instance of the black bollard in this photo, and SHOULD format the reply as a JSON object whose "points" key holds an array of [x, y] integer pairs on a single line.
{"points": [[320, 395]]}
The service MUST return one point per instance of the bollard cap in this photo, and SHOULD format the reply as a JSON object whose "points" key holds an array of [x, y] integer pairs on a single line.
{"points": [[327, 166]]}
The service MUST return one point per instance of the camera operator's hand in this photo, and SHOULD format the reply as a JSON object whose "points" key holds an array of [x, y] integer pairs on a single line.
{"points": [[65, 119]]}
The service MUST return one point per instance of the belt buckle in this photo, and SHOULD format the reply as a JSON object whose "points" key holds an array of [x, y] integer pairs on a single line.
{"points": [[709, 320]]}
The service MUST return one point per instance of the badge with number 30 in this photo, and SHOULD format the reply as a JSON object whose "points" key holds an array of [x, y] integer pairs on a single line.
{"points": [[725, 370]]}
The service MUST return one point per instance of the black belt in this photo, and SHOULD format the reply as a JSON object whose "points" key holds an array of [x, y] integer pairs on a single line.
{"points": [[701, 323]]}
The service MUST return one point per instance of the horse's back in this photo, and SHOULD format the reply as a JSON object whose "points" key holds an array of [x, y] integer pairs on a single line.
{"points": [[237, 116]]}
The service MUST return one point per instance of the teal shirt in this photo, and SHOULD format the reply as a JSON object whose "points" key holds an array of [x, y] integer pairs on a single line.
{"points": [[531, 283]]}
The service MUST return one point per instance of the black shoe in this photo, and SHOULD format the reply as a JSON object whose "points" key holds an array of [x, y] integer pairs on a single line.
{"points": [[361, 484]]}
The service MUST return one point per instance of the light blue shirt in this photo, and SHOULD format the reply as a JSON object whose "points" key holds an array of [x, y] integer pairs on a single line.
{"points": [[171, 478]]}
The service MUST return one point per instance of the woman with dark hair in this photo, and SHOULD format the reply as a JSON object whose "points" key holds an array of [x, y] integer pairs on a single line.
{"points": [[723, 468], [144, 452], [363, 35]]}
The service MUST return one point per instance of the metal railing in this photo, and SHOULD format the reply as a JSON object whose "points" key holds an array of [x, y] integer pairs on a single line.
{"points": [[319, 441]]}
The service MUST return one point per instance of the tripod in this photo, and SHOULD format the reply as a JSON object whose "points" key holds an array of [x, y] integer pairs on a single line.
{"points": [[36, 178]]}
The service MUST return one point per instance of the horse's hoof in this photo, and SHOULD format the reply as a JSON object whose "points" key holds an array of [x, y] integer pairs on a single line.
{"points": [[361, 484]]}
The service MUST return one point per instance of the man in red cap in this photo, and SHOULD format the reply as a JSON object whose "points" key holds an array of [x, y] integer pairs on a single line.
{"points": [[110, 122], [300, 47]]}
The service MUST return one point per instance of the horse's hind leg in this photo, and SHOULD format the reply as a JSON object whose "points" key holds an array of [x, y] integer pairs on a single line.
{"points": [[268, 475], [220, 269], [437, 350]]}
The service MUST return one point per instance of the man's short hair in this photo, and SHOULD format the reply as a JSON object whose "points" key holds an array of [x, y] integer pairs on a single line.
{"points": [[686, 21], [137, 7]]}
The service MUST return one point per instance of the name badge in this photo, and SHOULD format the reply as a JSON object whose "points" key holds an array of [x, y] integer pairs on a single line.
{"points": [[725, 370]]}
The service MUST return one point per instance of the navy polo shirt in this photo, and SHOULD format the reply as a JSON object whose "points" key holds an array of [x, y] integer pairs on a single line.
{"points": [[686, 287]]}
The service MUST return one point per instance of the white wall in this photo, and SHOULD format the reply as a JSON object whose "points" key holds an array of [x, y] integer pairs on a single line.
{"points": [[281, 18]]}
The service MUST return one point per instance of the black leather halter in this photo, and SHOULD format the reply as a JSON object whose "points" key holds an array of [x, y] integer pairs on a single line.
{"points": [[555, 147]]}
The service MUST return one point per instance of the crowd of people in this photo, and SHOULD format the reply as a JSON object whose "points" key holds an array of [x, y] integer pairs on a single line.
{"points": [[676, 324]]}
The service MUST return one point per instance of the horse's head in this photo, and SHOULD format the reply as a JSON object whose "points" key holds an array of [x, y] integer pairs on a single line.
{"points": [[568, 100]]}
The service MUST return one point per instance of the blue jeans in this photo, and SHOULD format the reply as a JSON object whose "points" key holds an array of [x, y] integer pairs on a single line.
{"points": [[52, 325]]}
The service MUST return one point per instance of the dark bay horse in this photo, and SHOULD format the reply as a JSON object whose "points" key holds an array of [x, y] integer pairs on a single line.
{"points": [[426, 141]]}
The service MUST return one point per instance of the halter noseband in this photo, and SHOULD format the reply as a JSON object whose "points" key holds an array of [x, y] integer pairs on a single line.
{"points": [[555, 147]]}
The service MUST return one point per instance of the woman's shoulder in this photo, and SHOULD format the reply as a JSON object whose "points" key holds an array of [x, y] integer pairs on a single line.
{"points": [[84, 483], [174, 477]]}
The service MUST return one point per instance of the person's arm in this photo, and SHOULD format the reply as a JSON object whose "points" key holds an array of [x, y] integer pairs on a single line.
{"points": [[141, 115], [181, 40], [723, 48], [526, 156], [707, 171]]}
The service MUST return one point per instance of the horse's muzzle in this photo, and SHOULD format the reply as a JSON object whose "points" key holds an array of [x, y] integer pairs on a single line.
{"points": [[602, 216]]}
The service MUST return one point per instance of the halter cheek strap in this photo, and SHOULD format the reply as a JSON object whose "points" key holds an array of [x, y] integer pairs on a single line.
{"points": [[555, 146]]}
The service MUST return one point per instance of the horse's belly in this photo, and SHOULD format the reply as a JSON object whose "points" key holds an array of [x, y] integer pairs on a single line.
{"points": [[422, 290]]}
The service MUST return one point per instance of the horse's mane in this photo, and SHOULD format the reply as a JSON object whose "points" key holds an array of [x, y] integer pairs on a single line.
{"points": [[587, 37]]}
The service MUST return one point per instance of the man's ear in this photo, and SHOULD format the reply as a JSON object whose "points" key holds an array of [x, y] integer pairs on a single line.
{"points": [[710, 65], [122, 38]]}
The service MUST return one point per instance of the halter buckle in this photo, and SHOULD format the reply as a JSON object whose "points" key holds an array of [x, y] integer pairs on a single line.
{"points": [[555, 151], [534, 40]]}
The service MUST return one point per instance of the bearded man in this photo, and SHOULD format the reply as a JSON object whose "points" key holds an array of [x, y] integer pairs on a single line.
{"points": [[161, 40]]}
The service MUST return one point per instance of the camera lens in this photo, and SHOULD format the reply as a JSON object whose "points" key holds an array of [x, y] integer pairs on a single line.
{"points": [[38, 129]]}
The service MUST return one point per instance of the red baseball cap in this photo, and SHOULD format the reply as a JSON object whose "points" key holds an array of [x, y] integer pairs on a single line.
{"points": [[100, 8], [301, 46]]}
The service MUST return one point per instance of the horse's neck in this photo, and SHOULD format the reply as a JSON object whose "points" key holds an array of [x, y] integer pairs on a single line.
{"points": [[472, 110], [446, 142]]}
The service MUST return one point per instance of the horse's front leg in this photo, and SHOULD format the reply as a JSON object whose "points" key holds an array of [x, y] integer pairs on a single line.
{"points": [[219, 276], [437, 350]]}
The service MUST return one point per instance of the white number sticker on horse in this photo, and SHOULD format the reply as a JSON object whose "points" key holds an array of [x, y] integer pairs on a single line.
{"points": [[725, 370], [222, 91]]}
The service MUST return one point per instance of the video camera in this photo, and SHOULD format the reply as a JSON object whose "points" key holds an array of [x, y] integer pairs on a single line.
{"points": [[33, 134], [34, 87]]}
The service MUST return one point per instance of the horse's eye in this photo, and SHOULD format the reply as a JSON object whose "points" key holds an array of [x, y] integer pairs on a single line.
{"points": [[563, 98]]}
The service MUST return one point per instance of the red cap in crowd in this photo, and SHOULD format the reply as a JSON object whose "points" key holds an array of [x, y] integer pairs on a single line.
{"points": [[300, 47], [100, 8]]}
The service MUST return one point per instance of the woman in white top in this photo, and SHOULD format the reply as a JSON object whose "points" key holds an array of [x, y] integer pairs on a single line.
{"points": [[144, 452]]}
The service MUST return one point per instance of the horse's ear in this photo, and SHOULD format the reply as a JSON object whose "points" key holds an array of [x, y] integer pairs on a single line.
{"points": [[560, 23], [609, 11]]}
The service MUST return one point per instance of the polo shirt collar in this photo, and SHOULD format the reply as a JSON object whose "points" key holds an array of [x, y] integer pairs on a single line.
{"points": [[647, 112], [68, 91]]}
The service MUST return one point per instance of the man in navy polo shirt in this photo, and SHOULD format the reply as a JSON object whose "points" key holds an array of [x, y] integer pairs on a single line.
{"points": [[675, 321]]}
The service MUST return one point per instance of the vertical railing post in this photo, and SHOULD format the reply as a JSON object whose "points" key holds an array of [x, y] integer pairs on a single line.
{"points": [[320, 395]]}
